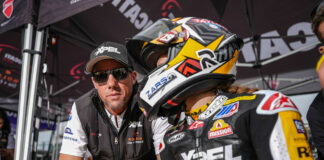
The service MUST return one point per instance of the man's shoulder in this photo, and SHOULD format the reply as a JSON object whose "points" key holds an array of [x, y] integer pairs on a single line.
{"points": [[318, 102], [87, 95], [86, 98]]}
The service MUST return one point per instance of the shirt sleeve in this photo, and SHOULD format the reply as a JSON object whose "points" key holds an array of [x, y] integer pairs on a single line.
{"points": [[74, 138], [11, 141], [159, 127]]}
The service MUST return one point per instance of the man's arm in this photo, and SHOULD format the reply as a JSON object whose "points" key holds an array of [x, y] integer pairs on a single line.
{"points": [[69, 157], [159, 127], [74, 142]]}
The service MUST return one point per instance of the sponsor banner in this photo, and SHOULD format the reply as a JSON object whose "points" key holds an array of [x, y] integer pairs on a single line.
{"points": [[10, 64], [15, 13], [220, 129]]}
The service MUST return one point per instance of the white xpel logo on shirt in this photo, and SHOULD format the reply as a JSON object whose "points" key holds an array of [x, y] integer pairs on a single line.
{"points": [[109, 49], [134, 124]]}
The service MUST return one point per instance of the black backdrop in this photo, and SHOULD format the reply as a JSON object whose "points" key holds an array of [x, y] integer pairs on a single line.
{"points": [[79, 25]]}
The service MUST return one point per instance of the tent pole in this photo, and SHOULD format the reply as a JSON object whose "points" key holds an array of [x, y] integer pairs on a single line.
{"points": [[28, 37], [55, 151], [32, 94]]}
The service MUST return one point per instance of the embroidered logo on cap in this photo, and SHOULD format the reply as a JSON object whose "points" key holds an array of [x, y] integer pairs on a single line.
{"points": [[108, 49]]}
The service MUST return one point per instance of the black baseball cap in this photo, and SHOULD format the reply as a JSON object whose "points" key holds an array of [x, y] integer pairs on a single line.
{"points": [[108, 50]]}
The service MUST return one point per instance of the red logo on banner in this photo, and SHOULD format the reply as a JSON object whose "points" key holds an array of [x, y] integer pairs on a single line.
{"points": [[168, 6], [7, 8], [278, 101], [76, 71]]}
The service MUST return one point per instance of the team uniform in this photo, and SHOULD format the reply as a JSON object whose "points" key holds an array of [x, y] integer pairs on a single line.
{"points": [[127, 136], [265, 125]]}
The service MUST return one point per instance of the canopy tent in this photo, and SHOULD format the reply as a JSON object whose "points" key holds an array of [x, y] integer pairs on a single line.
{"points": [[80, 25]]}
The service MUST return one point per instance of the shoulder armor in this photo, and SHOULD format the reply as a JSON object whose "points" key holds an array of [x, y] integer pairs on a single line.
{"points": [[274, 102]]}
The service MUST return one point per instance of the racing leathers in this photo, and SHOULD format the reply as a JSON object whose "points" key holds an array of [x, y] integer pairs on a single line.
{"points": [[264, 125]]}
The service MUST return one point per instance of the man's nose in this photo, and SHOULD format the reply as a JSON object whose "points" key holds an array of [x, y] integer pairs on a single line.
{"points": [[111, 82]]}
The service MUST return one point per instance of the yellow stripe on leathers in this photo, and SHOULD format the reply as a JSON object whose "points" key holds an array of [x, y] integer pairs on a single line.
{"points": [[247, 98], [297, 144]]}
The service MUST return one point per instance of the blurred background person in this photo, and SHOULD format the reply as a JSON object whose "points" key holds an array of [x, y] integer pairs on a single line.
{"points": [[7, 141], [315, 114]]}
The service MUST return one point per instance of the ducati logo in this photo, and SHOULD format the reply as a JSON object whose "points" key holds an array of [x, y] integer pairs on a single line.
{"points": [[7, 8]]}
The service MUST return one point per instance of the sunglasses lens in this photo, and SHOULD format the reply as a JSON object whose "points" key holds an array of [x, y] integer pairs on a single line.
{"points": [[120, 74], [100, 77]]}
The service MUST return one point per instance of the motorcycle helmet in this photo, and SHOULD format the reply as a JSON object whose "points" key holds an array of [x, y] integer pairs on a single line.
{"points": [[201, 56]]}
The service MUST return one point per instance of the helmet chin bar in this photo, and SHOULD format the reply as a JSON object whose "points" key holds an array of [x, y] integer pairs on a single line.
{"points": [[170, 103]]}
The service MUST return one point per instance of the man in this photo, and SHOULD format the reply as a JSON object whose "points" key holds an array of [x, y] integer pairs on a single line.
{"points": [[107, 120], [7, 140], [193, 63], [315, 114]]}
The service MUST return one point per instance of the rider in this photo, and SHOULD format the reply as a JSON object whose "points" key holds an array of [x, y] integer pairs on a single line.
{"points": [[193, 62]]}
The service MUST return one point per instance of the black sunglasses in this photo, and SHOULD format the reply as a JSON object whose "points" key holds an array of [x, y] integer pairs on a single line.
{"points": [[102, 76]]}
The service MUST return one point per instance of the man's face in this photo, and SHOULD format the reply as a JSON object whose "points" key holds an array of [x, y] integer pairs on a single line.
{"points": [[321, 50], [321, 30], [114, 94]]}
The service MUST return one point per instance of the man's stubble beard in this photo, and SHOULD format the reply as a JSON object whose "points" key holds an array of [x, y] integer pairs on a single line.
{"points": [[120, 106]]}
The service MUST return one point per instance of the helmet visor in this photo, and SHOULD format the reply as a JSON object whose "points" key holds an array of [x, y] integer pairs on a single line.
{"points": [[157, 29]]}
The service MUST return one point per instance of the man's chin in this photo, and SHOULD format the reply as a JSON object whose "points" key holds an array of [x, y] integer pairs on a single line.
{"points": [[116, 106]]}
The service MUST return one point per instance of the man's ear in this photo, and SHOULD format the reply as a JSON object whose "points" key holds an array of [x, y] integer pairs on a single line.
{"points": [[321, 49], [133, 76]]}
